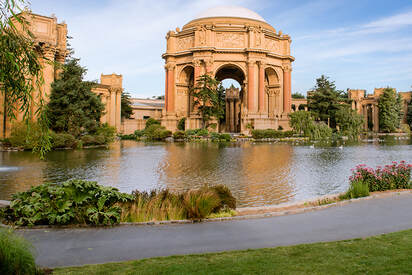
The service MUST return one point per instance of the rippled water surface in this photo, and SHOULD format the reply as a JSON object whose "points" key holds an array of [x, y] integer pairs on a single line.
{"points": [[258, 174]]}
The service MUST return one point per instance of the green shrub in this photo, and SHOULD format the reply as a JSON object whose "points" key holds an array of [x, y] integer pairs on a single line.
{"points": [[100, 140], [128, 137], [356, 190], [151, 121], [72, 202], [87, 140], [63, 140], [178, 135], [203, 132], [157, 132], [288, 133], [181, 124], [280, 128], [318, 131], [220, 137], [16, 255], [26, 136], [139, 133], [108, 132]]}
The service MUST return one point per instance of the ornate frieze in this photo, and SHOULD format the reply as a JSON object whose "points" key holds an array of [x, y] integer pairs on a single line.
{"points": [[185, 43], [230, 40], [273, 45]]}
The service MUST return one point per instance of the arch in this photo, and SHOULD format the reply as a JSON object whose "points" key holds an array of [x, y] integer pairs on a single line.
{"points": [[271, 77], [186, 75], [230, 70]]}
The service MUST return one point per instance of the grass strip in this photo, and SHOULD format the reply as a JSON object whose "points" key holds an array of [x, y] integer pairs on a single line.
{"points": [[383, 254]]}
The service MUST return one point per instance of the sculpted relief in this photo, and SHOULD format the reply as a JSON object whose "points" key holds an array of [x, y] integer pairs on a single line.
{"points": [[185, 43], [230, 40], [273, 45]]}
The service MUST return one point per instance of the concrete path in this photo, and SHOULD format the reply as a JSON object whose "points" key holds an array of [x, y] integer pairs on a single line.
{"points": [[66, 247]]}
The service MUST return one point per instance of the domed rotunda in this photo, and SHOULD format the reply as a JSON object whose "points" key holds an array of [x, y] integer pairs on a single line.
{"points": [[229, 42]]}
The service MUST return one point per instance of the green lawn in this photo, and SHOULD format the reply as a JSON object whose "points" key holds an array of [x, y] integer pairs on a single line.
{"points": [[384, 254]]}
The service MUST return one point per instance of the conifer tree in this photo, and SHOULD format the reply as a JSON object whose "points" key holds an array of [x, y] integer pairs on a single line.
{"points": [[126, 110], [324, 101], [73, 107], [390, 110]]}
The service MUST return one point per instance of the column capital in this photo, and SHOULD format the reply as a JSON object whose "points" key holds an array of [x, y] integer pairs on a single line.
{"points": [[251, 62], [261, 63], [287, 67], [209, 61], [170, 66], [197, 62]]}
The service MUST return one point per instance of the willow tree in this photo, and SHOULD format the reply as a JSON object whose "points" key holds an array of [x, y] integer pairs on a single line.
{"points": [[20, 71], [209, 97]]}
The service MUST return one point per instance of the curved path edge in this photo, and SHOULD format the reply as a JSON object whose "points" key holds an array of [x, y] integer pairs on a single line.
{"points": [[79, 246]]}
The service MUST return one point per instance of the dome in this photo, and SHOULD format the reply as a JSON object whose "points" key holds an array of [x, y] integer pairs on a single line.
{"points": [[230, 11]]}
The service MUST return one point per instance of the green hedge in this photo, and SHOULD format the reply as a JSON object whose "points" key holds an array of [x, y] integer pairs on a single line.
{"points": [[271, 133]]}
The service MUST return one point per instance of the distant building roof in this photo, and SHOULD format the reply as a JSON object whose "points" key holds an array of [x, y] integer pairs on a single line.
{"points": [[140, 102]]}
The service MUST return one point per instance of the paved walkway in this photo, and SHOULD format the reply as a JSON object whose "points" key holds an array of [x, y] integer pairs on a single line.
{"points": [[66, 247]]}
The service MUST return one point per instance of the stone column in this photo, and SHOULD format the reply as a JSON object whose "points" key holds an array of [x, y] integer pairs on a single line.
{"points": [[118, 109], [287, 95], [166, 88], [227, 120], [236, 111], [251, 86], [112, 117], [365, 116], [232, 116], [375, 118], [171, 88], [209, 66], [48, 72], [261, 93], [197, 64]]}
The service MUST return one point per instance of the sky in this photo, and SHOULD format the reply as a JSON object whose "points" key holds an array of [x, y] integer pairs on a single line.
{"points": [[359, 44]]}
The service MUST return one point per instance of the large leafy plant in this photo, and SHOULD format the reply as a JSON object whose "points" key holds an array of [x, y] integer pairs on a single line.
{"points": [[72, 202]]}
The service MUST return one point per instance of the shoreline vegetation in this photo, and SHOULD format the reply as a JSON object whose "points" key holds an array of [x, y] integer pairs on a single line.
{"points": [[78, 202]]}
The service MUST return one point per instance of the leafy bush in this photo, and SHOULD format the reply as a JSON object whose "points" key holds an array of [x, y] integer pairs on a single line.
{"points": [[181, 124], [151, 121], [100, 140], [25, 135], [63, 140], [108, 132], [217, 137], [128, 137], [87, 140], [179, 135], [139, 133], [394, 176], [270, 133], [203, 132], [157, 132], [72, 202], [16, 255], [319, 131]]}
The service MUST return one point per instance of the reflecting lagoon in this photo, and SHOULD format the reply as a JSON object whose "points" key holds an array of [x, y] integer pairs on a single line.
{"points": [[257, 173]]}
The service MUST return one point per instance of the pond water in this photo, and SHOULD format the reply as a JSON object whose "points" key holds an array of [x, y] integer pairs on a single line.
{"points": [[257, 173]]}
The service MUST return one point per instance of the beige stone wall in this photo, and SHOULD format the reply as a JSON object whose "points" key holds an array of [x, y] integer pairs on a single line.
{"points": [[110, 90], [50, 37]]}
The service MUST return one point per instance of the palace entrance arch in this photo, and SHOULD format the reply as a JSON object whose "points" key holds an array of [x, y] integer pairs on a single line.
{"points": [[231, 43], [233, 97]]}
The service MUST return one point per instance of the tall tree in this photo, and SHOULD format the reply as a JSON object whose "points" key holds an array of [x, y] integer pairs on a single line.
{"points": [[409, 114], [350, 122], [324, 101], [126, 109], [73, 107], [20, 70], [390, 110], [209, 96]]}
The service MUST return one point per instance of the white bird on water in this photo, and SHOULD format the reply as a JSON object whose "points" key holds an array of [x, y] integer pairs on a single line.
{"points": [[341, 147], [312, 146]]}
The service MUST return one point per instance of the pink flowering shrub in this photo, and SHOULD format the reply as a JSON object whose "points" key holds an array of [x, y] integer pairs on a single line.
{"points": [[394, 176]]}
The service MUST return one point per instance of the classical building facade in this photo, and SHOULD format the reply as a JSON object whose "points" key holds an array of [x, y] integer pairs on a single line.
{"points": [[230, 43], [50, 39]]}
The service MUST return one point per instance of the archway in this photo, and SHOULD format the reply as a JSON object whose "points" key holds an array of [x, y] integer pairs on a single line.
{"points": [[272, 99], [186, 81], [233, 78]]}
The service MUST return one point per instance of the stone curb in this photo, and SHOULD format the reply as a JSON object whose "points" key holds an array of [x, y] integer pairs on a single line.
{"points": [[240, 217]]}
